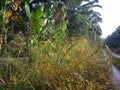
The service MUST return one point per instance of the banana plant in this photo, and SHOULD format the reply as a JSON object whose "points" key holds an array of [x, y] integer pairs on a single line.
{"points": [[84, 17], [5, 15], [10, 17]]}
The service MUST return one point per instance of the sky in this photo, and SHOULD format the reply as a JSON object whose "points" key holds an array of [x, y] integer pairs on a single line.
{"points": [[110, 14]]}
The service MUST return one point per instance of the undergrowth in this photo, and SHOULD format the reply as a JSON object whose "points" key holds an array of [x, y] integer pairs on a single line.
{"points": [[56, 60], [67, 65]]}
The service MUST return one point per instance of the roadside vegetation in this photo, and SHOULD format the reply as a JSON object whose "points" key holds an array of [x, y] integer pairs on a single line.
{"points": [[52, 45], [113, 41], [116, 62]]}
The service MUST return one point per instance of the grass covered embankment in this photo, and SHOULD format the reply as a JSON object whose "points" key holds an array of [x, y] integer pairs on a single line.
{"points": [[68, 65], [116, 62]]}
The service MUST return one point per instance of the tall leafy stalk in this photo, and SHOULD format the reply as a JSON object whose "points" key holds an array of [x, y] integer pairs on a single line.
{"points": [[4, 16]]}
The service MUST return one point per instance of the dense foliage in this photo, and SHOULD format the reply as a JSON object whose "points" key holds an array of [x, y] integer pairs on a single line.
{"points": [[27, 18], [46, 45], [113, 40]]}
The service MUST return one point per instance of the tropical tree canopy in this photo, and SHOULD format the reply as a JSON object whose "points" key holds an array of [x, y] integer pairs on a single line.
{"points": [[113, 40]]}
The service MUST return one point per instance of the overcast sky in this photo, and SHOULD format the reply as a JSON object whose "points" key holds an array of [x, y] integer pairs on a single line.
{"points": [[110, 15]]}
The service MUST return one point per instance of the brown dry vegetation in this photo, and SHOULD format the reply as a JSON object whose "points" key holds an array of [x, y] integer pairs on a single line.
{"points": [[65, 66]]}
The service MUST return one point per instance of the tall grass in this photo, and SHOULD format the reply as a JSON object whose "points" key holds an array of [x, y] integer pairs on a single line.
{"points": [[59, 66]]}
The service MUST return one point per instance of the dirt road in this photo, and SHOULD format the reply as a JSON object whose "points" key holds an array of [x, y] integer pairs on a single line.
{"points": [[116, 77]]}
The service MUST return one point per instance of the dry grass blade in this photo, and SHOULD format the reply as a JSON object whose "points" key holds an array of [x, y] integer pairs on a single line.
{"points": [[73, 45], [79, 76], [2, 80], [89, 56]]}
